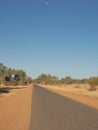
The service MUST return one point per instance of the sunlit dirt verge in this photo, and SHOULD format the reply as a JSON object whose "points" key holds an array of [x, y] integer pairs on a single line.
{"points": [[15, 109]]}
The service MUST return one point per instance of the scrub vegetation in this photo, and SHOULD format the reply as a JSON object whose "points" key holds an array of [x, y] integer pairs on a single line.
{"points": [[47, 79], [13, 77]]}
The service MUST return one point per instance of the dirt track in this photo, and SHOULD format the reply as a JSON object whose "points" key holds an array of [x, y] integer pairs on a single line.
{"points": [[15, 110]]}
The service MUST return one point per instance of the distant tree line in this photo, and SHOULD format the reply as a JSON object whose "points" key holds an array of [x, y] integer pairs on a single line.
{"points": [[10, 76], [46, 79], [52, 80]]}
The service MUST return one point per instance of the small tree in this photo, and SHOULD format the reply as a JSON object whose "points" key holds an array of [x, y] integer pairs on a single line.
{"points": [[93, 82]]}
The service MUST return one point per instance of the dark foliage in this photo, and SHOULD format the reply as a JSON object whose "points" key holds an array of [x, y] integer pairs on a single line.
{"points": [[10, 76]]}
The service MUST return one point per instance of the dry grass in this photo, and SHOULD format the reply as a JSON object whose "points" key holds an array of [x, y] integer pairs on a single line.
{"points": [[83, 89]]}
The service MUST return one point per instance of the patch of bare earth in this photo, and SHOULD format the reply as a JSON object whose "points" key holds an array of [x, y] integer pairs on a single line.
{"points": [[15, 109], [82, 94]]}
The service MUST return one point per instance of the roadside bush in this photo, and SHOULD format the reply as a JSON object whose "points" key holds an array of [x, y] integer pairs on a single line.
{"points": [[93, 82]]}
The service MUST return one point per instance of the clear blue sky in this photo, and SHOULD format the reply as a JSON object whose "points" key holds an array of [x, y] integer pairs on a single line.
{"points": [[59, 37]]}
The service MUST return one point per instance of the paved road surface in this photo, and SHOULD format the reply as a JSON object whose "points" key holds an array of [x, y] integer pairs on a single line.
{"points": [[51, 111]]}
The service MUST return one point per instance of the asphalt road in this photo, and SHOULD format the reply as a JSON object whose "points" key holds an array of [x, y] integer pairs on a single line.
{"points": [[51, 111]]}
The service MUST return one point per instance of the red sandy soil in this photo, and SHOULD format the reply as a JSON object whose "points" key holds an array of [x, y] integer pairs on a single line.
{"points": [[15, 110]]}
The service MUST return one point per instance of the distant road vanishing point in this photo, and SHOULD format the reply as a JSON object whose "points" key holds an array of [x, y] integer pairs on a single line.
{"points": [[51, 111]]}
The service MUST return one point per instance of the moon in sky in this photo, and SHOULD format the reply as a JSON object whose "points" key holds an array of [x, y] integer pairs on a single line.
{"points": [[46, 3]]}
